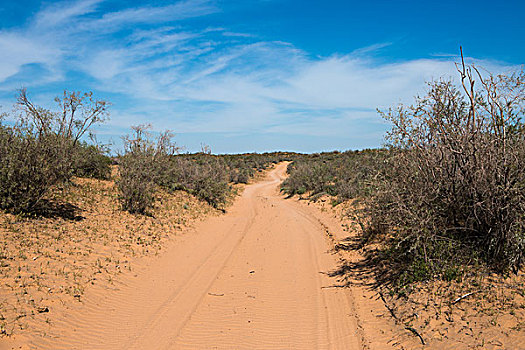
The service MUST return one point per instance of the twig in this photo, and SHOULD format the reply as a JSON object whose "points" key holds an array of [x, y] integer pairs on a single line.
{"points": [[388, 307], [416, 333], [462, 297], [411, 329]]}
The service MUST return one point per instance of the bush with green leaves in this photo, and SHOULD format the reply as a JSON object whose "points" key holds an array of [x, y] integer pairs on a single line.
{"points": [[205, 176], [142, 166], [91, 161], [37, 152], [345, 175], [243, 167], [145, 165], [208, 176], [453, 191], [210, 183], [31, 165]]}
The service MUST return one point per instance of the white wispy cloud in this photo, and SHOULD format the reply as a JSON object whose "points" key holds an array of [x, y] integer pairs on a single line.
{"points": [[17, 50], [63, 12], [112, 21], [66, 33]]}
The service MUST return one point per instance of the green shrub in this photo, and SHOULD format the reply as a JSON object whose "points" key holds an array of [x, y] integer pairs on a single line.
{"points": [[345, 175], [453, 190], [141, 167], [90, 161], [206, 177], [37, 152], [31, 165]]}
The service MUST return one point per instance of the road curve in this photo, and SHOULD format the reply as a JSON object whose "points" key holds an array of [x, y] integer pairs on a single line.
{"points": [[254, 278]]}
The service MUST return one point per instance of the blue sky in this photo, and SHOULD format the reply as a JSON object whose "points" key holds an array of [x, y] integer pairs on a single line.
{"points": [[252, 75]]}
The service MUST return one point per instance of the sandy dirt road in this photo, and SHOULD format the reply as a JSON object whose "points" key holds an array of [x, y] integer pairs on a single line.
{"points": [[254, 278]]}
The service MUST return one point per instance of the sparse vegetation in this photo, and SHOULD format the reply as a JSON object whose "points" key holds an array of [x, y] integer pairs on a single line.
{"points": [[208, 176], [44, 261], [443, 200]]}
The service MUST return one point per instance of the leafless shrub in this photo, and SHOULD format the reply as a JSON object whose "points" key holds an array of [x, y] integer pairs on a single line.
{"points": [[77, 113]]}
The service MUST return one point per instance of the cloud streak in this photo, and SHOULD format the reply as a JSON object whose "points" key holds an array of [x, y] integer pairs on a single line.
{"points": [[63, 13]]}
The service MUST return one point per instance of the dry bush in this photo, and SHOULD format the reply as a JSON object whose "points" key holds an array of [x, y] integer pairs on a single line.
{"points": [[37, 152], [206, 176], [242, 175], [243, 167], [141, 167], [30, 165], [210, 183], [453, 191]]}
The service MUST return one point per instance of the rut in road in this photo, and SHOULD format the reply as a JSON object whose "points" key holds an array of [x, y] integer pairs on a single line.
{"points": [[254, 278]]}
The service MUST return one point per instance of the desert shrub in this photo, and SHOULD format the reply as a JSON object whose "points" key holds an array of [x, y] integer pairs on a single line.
{"points": [[142, 167], [136, 182], [90, 161], [242, 175], [243, 167], [302, 179], [357, 173], [31, 165], [205, 176], [211, 184], [208, 176], [37, 151], [452, 193], [346, 175]]}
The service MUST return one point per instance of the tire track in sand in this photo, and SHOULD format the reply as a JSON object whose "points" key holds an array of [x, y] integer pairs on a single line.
{"points": [[254, 278]]}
